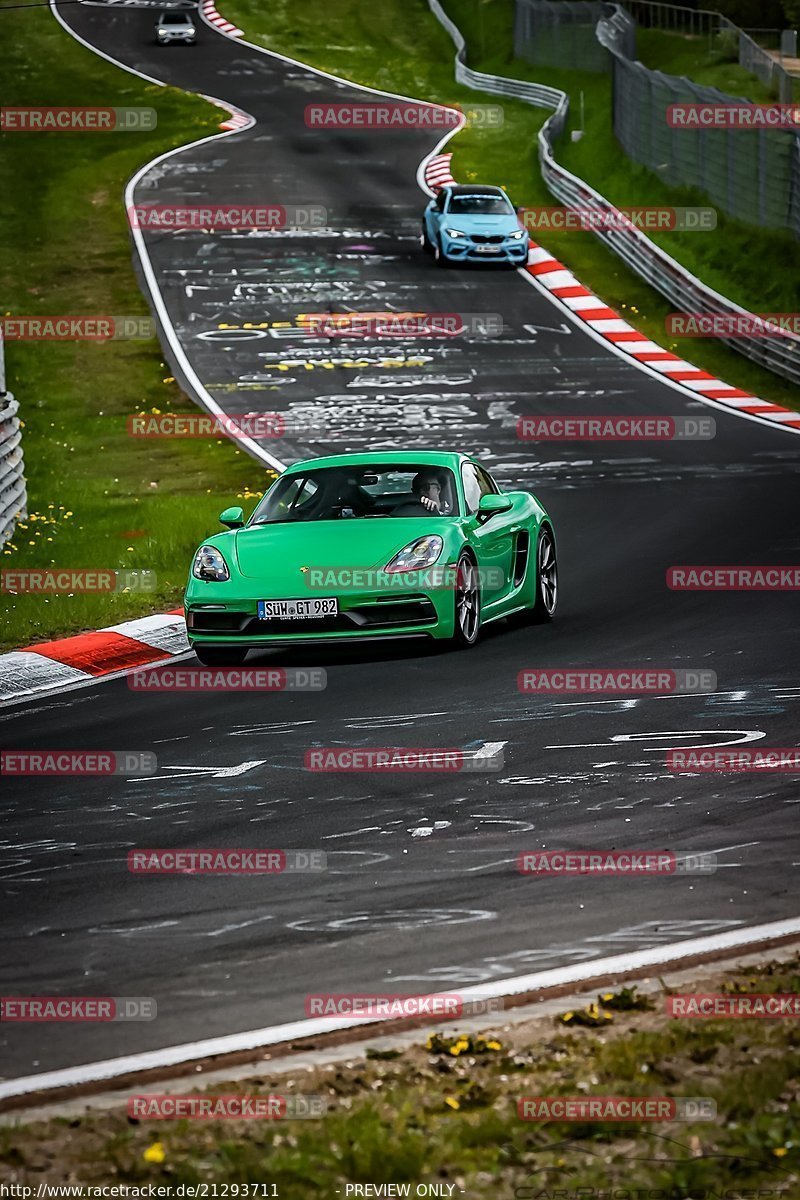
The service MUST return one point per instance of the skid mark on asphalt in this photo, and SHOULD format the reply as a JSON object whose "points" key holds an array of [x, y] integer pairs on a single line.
{"points": [[648, 933], [399, 919]]}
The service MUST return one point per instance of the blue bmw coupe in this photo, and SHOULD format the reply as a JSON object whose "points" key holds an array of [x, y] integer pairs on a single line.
{"points": [[468, 223]]}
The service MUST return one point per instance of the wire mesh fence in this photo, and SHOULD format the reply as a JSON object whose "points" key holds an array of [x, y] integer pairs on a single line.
{"points": [[750, 173], [560, 33]]}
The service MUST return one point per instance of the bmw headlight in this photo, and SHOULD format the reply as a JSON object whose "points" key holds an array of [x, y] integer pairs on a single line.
{"points": [[210, 565], [162, 33], [518, 234], [455, 233], [418, 554]]}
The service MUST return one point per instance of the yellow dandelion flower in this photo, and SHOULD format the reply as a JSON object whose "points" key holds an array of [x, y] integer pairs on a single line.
{"points": [[452, 1102], [154, 1153]]}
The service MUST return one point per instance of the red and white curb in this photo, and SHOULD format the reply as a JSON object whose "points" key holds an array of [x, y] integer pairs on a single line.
{"points": [[209, 12], [238, 120], [562, 285], [54, 666], [437, 171]]}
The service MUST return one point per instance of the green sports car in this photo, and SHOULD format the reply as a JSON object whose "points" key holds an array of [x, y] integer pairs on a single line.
{"points": [[372, 546]]}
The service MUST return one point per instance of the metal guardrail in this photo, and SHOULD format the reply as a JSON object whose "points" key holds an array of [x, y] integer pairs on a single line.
{"points": [[13, 494], [780, 354]]}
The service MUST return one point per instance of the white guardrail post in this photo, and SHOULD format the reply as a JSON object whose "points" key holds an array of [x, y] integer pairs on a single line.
{"points": [[778, 354], [13, 494]]}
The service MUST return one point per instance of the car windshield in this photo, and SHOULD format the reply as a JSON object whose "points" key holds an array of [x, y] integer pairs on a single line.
{"points": [[175, 19], [352, 493], [491, 205]]}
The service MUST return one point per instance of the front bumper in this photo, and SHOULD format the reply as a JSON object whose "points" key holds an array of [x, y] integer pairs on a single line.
{"points": [[187, 38], [215, 618], [466, 249]]}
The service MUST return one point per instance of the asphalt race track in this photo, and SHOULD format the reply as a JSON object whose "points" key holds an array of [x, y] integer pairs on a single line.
{"points": [[422, 891]]}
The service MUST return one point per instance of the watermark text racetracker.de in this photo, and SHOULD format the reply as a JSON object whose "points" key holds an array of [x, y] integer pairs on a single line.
{"points": [[78, 762], [394, 1006], [228, 679], [112, 119], [237, 1107], [616, 1108], [77, 1009], [707, 1005], [742, 760], [733, 325], [403, 759], [710, 577], [255, 425], [615, 862], [210, 218], [734, 116], [562, 428], [225, 861], [72, 581], [76, 327], [656, 217], [388, 324], [383, 117], [376, 579], [636, 681]]}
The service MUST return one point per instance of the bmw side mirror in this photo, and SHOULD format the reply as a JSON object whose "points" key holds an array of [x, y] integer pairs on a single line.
{"points": [[232, 517], [489, 506]]}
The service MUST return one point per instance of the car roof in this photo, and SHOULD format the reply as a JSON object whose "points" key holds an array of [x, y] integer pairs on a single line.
{"points": [[441, 458], [474, 189]]}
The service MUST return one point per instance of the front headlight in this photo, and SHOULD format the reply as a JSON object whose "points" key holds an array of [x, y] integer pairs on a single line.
{"points": [[416, 555], [210, 565], [162, 33], [518, 234], [455, 233]]}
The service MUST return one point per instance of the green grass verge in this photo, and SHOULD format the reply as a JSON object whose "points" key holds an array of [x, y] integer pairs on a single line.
{"points": [[445, 1111], [704, 60], [399, 46], [97, 498]]}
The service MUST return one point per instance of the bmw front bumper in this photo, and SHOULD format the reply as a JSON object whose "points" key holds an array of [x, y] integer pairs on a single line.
{"points": [[466, 249]]}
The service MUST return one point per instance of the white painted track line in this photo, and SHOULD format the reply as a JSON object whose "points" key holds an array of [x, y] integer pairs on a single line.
{"points": [[617, 965]]}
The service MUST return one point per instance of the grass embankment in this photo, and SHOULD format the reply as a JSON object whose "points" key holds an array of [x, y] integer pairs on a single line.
{"points": [[445, 1112], [707, 61], [97, 497], [399, 46]]}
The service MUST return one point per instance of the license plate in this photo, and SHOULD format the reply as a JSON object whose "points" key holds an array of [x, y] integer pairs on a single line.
{"points": [[298, 610], [488, 249]]}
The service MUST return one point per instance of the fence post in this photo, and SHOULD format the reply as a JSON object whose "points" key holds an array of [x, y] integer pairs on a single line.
{"points": [[13, 495]]}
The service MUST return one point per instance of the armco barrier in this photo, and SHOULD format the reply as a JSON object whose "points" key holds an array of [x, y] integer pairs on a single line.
{"points": [[13, 496], [649, 261]]}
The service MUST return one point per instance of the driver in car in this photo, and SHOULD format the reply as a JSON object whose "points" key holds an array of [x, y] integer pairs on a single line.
{"points": [[427, 488]]}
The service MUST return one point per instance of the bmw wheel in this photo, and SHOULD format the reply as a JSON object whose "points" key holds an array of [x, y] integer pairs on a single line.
{"points": [[467, 603], [427, 245], [438, 253]]}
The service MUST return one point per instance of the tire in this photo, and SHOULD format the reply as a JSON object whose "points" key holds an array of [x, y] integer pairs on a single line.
{"points": [[441, 258], [467, 602], [544, 607], [426, 241], [221, 656]]}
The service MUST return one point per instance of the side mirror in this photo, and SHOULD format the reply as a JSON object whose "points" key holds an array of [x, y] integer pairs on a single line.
{"points": [[232, 517], [492, 504]]}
